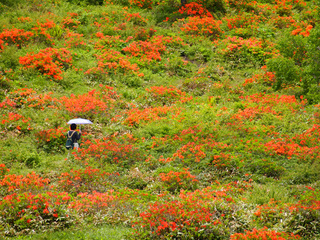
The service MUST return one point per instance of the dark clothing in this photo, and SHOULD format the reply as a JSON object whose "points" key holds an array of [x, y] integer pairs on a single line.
{"points": [[75, 137]]}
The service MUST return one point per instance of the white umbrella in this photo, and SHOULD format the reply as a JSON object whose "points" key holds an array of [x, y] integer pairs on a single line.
{"points": [[79, 121]]}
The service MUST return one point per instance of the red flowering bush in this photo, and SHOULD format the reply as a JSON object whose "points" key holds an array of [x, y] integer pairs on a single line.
{"points": [[242, 51], [174, 181], [32, 182], [73, 39], [49, 61], [197, 214], [111, 207], [18, 98], [142, 3], [135, 18], [28, 97], [121, 151], [201, 26], [301, 216], [25, 212], [15, 36], [52, 140], [3, 170], [262, 234], [152, 49], [161, 95], [70, 22], [12, 121], [135, 116], [300, 31], [94, 104], [268, 78], [282, 21], [244, 21], [113, 62], [42, 31], [86, 180], [194, 9]]}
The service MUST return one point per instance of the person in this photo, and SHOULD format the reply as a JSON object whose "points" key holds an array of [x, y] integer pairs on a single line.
{"points": [[74, 135]]}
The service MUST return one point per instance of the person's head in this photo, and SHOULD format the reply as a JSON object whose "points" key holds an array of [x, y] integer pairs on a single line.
{"points": [[73, 126]]}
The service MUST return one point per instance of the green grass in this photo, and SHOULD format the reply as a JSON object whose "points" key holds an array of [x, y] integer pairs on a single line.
{"points": [[89, 233]]}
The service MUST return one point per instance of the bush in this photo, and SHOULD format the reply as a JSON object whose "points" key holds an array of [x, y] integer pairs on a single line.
{"points": [[52, 140], [293, 47], [27, 212], [286, 72]]}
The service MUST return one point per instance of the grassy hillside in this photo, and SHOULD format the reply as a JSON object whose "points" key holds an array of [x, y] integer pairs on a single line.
{"points": [[206, 119]]}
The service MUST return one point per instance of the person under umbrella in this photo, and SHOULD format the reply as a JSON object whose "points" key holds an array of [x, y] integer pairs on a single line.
{"points": [[74, 135]]}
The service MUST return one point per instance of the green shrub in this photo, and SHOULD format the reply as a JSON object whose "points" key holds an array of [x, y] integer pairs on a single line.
{"points": [[266, 167], [31, 159], [293, 47], [9, 58], [287, 73]]}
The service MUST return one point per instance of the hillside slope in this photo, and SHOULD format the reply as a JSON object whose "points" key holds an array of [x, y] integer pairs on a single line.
{"points": [[206, 118]]}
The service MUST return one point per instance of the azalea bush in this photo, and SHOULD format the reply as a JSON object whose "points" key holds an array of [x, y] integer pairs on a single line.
{"points": [[15, 36], [26, 211], [201, 26], [242, 51], [52, 140], [49, 61], [174, 181], [86, 180], [264, 233]]}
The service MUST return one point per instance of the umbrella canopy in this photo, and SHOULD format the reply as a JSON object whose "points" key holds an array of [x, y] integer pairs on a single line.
{"points": [[79, 121]]}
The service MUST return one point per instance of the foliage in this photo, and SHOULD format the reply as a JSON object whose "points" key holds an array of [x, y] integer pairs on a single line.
{"points": [[205, 119]]}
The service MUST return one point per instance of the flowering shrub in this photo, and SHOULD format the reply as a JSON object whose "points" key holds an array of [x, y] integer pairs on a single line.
{"points": [[300, 31], [174, 181], [143, 34], [301, 216], [3, 170], [15, 36], [267, 78], [95, 103], [135, 117], [121, 151], [26, 212], [244, 20], [85, 180], [194, 9], [73, 39], [282, 21], [28, 97], [18, 98], [263, 233], [49, 61], [12, 121], [242, 51], [111, 207], [42, 33], [113, 62], [152, 49], [32, 182], [201, 26], [142, 3], [70, 22], [135, 18], [51, 140], [166, 95], [171, 219]]}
